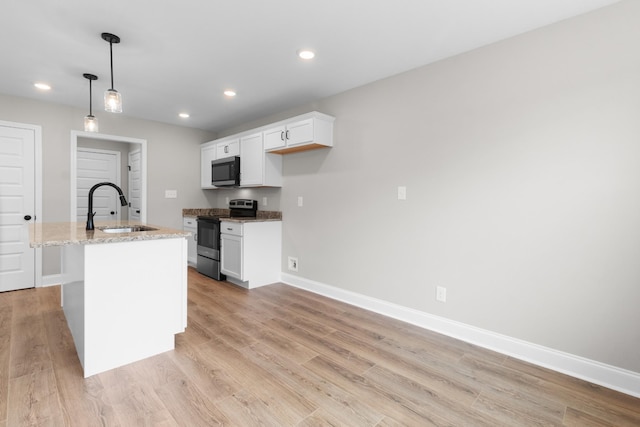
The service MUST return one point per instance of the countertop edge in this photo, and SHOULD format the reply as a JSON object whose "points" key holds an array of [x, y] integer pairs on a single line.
{"points": [[65, 234]]}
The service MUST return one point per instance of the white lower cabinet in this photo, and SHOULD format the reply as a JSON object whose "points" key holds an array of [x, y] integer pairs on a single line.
{"points": [[191, 224], [251, 252]]}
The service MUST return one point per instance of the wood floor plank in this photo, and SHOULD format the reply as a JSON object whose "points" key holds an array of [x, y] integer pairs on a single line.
{"points": [[278, 355], [440, 377], [263, 384], [322, 345], [576, 386], [427, 399], [210, 377], [385, 400], [138, 404], [218, 326], [575, 418], [322, 418], [29, 347], [83, 401], [190, 406], [34, 400], [260, 332], [5, 352], [244, 409], [506, 379], [344, 407]]}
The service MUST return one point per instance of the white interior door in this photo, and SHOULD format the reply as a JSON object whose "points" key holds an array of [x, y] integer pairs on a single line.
{"points": [[135, 185], [17, 207], [95, 166]]}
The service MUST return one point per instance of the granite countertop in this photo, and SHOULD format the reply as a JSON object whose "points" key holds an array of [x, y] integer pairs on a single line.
{"points": [[261, 216], [74, 233]]}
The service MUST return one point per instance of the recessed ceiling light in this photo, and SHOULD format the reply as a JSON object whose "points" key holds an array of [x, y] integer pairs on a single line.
{"points": [[42, 86], [184, 115], [306, 54], [230, 93]]}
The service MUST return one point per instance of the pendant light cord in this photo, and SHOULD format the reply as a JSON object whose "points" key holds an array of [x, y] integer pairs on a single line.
{"points": [[111, 55], [90, 99]]}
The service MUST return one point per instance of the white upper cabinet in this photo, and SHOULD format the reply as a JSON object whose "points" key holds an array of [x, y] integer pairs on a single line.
{"points": [[228, 148], [301, 133], [274, 138], [257, 168], [207, 154], [259, 149]]}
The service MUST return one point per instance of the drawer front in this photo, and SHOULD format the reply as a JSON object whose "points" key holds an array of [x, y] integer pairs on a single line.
{"points": [[189, 222], [233, 228]]}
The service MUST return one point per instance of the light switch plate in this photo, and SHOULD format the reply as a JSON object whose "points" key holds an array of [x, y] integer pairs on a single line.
{"points": [[299, 201], [402, 193], [170, 194]]}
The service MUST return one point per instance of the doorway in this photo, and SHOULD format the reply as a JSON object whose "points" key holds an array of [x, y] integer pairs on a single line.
{"points": [[98, 141], [95, 166]]}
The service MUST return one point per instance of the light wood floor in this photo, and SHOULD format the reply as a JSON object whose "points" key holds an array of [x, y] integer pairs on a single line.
{"points": [[279, 356]]}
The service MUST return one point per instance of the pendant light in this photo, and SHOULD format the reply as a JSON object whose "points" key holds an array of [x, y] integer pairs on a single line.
{"points": [[90, 122], [112, 98]]}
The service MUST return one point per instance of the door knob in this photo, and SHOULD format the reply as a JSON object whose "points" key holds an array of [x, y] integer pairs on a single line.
{"points": [[27, 217], [113, 213]]}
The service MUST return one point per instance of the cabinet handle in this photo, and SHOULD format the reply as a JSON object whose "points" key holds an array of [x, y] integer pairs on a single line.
{"points": [[195, 237], [282, 136], [230, 229], [287, 134], [226, 148]]}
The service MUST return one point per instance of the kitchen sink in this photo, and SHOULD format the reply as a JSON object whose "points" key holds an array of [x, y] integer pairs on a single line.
{"points": [[125, 228]]}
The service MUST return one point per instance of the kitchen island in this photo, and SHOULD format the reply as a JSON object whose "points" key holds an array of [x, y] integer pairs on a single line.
{"points": [[124, 294]]}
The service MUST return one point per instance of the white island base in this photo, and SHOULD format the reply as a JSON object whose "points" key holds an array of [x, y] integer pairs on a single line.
{"points": [[124, 301]]}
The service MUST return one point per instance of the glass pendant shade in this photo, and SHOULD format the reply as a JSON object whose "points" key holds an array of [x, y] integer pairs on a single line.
{"points": [[90, 123], [112, 101]]}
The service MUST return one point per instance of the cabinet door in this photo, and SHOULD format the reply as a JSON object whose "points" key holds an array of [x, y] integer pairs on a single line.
{"points": [[274, 138], [231, 256], [190, 224], [228, 148], [299, 132], [207, 154], [251, 160]]}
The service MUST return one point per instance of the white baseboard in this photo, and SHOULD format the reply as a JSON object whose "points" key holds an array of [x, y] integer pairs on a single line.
{"points": [[51, 280], [622, 380]]}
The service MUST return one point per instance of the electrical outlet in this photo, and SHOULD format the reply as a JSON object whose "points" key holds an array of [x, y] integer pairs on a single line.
{"points": [[264, 201], [441, 293], [226, 201], [299, 201], [170, 194], [293, 263]]}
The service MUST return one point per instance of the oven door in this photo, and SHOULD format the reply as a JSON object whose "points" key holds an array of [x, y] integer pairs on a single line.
{"points": [[209, 237]]}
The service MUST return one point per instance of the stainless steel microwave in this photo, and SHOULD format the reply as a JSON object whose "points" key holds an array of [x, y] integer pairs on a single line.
{"points": [[226, 172]]}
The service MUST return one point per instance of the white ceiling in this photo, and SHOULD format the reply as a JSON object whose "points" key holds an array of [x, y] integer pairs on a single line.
{"points": [[180, 55]]}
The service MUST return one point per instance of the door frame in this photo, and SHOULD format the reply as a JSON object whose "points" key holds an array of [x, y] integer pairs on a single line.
{"points": [[37, 136], [75, 134], [134, 151]]}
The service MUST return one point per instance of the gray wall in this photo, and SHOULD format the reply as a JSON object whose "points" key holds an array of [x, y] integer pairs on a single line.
{"points": [[173, 161], [522, 167]]}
